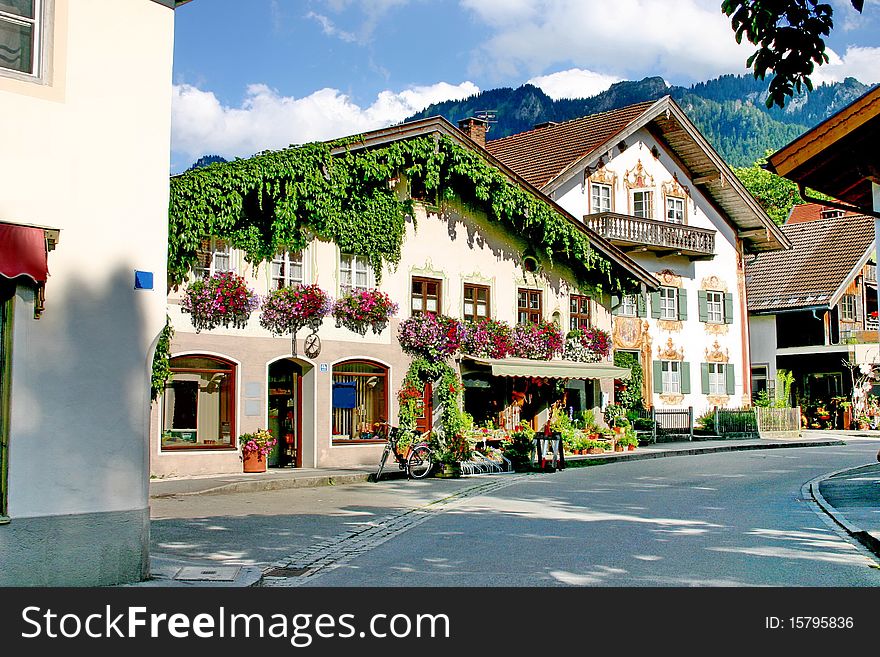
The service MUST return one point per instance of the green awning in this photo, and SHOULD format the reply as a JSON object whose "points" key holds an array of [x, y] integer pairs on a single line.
{"points": [[552, 369]]}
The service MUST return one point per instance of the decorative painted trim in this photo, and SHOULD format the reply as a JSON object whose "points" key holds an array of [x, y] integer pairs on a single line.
{"points": [[716, 355], [638, 178], [716, 329], [714, 284], [675, 188], [672, 398], [670, 325], [670, 352], [717, 400], [669, 278], [630, 332]]}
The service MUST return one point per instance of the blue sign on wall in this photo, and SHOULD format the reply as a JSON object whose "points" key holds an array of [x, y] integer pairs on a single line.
{"points": [[143, 280]]}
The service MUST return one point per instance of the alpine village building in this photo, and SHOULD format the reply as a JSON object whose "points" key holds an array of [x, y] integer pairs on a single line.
{"points": [[646, 180], [321, 394]]}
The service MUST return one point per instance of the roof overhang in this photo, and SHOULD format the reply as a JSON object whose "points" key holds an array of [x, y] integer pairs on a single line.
{"points": [[437, 125], [668, 123], [838, 157], [550, 369]]}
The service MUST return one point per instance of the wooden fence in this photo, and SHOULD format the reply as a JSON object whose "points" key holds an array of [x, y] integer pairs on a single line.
{"points": [[738, 421], [669, 424], [778, 422]]}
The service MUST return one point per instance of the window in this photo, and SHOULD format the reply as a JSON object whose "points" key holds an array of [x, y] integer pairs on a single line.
{"points": [[628, 305], [717, 379], [198, 405], [425, 296], [848, 307], [529, 306], [675, 210], [360, 399], [715, 307], [215, 256], [600, 197], [7, 299], [476, 302], [579, 312], [671, 376], [20, 34], [642, 201], [355, 273], [668, 303], [286, 269]]}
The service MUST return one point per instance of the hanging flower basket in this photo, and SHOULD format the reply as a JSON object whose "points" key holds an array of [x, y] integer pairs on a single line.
{"points": [[359, 310], [537, 341], [588, 346], [489, 338], [288, 309], [434, 337], [221, 300]]}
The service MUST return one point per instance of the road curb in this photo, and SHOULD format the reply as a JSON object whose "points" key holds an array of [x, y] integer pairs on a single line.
{"points": [[868, 539]]}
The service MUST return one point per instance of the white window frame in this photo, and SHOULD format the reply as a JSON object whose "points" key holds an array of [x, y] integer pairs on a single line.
{"points": [[675, 209], [350, 265], [221, 249], [38, 25], [281, 268], [645, 194], [668, 303], [717, 379], [629, 306], [848, 308], [671, 376], [714, 307], [598, 201]]}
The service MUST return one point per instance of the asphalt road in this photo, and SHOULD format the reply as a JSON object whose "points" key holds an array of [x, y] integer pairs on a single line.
{"points": [[731, 519]]}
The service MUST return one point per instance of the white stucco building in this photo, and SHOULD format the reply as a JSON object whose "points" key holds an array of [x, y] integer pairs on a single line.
{"points": [[645, 179], [85, 96]]}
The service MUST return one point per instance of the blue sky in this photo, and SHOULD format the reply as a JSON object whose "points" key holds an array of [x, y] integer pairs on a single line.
{"points": [[263, 74]]}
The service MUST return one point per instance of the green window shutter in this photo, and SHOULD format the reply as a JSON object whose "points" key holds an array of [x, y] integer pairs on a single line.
{"points": [[728, 308], [704, 377], [641, 309], [682, 304], [615, 304], [658, 377], [728, 371], [655, 305], [703, 299], [685, 378]]}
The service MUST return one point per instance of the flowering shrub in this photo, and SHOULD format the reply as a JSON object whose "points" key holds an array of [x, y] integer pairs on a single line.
{"points": [[359, 309], [260, 442], [220, 300], [537, 341], [454, 448], [290, 308], [490, 338], [434, 337], [588, 346]]}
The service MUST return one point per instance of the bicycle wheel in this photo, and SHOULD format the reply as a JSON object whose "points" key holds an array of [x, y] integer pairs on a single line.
{"points": [[384, 458], [418, 465]]}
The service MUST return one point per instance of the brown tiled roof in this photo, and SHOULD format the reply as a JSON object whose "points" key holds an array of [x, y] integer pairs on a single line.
{"points": [[541, 154], [809, 212], [822, 255]]}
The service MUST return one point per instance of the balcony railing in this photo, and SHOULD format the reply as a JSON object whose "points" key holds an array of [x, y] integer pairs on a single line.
{"points": [[659, 236]]}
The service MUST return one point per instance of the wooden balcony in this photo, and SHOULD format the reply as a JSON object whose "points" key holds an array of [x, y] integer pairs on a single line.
{"points": [[632, 234]]}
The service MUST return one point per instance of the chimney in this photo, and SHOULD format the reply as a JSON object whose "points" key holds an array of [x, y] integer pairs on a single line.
{"points": [[475, 129]]}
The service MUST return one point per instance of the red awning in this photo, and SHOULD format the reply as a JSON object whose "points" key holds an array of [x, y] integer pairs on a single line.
{"points": [[23, 252]]}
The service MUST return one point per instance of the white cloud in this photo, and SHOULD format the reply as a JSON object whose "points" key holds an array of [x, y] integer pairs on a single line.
{"points": [[858, 62], [678, 39], [574, 83], [200, 124]]}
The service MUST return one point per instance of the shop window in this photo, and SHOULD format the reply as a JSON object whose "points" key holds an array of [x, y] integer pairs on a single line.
{"points": [[529, 306], [476, 302], [425, 297], [360, 399], [198, 405]]}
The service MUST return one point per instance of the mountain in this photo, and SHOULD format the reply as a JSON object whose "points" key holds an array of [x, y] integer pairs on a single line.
{"points": [[205, 160], [729, 110]]}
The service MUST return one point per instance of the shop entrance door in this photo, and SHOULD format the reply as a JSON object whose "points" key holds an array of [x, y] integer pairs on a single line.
{"points": [[425, 421], [285, 413]]}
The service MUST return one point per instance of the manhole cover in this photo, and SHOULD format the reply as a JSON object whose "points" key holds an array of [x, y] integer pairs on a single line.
{"points": [[285, 572], [208, 574]]}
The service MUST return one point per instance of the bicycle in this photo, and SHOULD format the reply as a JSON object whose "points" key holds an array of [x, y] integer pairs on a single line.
{"points": [[421, 457]]}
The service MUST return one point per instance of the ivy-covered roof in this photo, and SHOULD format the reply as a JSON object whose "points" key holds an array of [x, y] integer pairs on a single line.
{"points": [[339, 191]]}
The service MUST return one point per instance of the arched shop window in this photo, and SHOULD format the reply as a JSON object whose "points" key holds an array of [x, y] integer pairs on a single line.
{"points": [[360, 398], [198, 409]]}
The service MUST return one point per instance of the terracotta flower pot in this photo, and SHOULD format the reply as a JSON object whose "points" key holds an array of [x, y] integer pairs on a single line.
{"points": [[630, 448], [253, 462]]}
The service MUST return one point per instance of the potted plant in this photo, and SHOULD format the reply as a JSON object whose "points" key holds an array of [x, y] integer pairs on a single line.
{"points": [[538, 341], [491, 338], [434, 337], [359, 310], [450, 452], [595, 447], [288, 309], [255, 448], [518, 445], [220, 300], [628, 441]]}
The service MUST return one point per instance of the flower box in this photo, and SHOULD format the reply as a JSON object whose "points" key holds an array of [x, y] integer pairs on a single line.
{"points": [[288, 309], [220, 300], [360, 310]]}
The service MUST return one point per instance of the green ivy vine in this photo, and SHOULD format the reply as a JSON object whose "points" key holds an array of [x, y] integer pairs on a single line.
{"points": [[447, 386], [282, 199], [161, 361]]}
